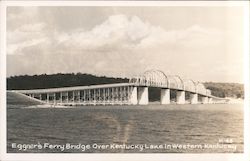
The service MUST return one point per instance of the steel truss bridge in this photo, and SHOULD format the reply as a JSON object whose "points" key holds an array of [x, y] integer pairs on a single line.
{"points": [[132, 93]]}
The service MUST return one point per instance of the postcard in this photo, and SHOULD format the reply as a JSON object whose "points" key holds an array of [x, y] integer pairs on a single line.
{"points": [[125, 80]]}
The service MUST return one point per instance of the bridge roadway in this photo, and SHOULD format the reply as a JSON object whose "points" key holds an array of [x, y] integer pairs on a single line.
{"points": [[132, 93]]}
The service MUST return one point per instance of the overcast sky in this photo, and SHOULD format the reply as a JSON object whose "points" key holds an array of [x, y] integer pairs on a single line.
{"points": [[201, 43]]}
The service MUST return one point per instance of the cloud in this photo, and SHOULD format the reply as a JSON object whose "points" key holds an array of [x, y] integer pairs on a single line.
{"points": [[120, 31], [116, 32], [25, 36], [15, 13], [119, 46], [15, 48]]}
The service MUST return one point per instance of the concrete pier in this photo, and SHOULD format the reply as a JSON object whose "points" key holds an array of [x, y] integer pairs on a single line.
{"points": [[210, 100], [193, 98], [165, 96], [204, 100], [142, 95], [133, 96], [180, 97]]}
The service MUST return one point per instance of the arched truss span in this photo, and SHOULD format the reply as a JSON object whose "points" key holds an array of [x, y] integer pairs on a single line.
{"points": [[175, 82], [155, 78], [200, 88], [189, 85]]}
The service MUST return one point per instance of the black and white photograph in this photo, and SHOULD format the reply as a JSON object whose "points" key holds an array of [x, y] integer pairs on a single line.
{"points": [[125, 79]]}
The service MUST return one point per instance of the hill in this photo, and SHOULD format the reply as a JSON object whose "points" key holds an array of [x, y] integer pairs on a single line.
{"points": [[234, 90], [58, 80]]}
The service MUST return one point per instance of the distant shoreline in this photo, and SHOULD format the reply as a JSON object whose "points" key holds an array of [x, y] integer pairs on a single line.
{"points": [[235, 100]]}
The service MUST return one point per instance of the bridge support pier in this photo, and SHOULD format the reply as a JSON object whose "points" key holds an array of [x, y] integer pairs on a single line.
{"points": [[54, 98], [204, 100], [47, 98], [180, 97], [165, 96], [142, 95], [210, 100], [60, 99], [193, 98], [133, 97]]}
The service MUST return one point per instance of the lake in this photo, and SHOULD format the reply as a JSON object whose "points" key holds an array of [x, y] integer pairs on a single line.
{"points": [[152, 128]]}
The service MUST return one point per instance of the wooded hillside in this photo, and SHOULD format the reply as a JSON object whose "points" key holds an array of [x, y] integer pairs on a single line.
{"points": [[235, 90], [58, 80]]}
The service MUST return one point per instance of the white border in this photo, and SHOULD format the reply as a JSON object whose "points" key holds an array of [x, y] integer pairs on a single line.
{"points": [[2, 79], [122, 157], [246, 82], [125, 3]]}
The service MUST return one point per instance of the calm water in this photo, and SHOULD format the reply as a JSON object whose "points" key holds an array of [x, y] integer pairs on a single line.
{"points": [[156, 125]]}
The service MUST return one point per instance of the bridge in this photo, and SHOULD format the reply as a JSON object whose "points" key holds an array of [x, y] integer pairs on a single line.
{"points": [[132, 93]]}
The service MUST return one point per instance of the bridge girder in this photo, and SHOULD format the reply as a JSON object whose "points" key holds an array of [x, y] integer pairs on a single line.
{"points": [[157, 78], [189, 85], [176, 82], [125, 93], [200, 88]]}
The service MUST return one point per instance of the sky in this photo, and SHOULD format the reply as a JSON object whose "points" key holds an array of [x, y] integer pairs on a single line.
{"points": [[199, 43]]}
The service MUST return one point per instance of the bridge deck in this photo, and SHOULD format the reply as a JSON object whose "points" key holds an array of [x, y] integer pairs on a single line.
{"points": [[75, 88], [65, 89]]}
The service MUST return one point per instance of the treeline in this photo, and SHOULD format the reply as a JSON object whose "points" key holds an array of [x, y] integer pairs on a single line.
{"points": [[235, 90], [58, 80]]}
